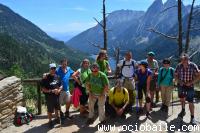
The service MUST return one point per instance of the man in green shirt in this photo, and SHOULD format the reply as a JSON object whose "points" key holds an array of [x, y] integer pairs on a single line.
{"points": [[97, 85]]}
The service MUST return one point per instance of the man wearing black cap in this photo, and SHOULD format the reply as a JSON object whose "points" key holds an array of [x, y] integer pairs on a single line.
{"points": [[186, 73]]}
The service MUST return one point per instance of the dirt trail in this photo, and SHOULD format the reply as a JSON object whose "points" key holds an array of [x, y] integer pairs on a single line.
{"points": [[158, 123]]}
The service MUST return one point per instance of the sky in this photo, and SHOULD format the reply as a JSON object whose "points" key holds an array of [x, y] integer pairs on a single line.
{"points": [[71, 16]]}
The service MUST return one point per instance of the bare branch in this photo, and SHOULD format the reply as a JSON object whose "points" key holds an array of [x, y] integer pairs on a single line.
{"points": [[162, 34], [194, 29], [98, 22], [164, 10], [94, 44]]}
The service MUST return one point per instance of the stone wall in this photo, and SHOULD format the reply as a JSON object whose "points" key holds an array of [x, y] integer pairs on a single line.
{"points": [[10, 97]]}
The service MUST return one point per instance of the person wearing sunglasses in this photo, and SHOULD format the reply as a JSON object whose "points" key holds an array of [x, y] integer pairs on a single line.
{"points": [[165, 82], [51, 87], [97, 84]]}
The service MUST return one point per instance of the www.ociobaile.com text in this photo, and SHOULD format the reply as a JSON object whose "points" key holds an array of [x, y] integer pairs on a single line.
{"points": [[148, 127]]}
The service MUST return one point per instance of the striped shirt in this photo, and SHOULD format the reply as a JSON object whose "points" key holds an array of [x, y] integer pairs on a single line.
{"points": [[186, 74]]}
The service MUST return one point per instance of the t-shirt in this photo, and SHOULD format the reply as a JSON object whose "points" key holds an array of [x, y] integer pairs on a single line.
{"points": [[142, 77], [83, 75], [168, 79], [65, 77], [97, 82], [51, 82], [153, 65], [118, 98], [128, 68], [103, 66]]}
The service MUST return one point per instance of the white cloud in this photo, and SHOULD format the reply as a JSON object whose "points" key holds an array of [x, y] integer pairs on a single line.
{"points": [[74, 27], [78, 8]]}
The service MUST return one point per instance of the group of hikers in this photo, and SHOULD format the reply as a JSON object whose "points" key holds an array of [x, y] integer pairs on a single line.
{"points": [[135, 82]]}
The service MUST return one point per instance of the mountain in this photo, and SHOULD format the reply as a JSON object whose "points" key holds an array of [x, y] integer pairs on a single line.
{"points": [[117, 22], [133, 33], [25, 44]]}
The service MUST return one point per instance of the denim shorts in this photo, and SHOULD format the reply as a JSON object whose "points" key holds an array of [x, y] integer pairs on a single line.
{"points": [[186, 92]]}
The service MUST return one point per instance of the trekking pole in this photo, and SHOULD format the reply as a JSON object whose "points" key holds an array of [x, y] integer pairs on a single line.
{"points": [[173, 99], [137, 108]]}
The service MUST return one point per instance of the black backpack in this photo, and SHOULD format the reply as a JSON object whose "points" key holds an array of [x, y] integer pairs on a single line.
{"points": [[124, 64]]}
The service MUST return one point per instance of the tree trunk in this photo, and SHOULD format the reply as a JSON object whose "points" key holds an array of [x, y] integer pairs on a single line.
{"points": [[180, 43], [104, 26], [189, 27]]}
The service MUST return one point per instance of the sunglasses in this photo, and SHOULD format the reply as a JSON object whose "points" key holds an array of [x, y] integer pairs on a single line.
{"points": [[53, 68]]}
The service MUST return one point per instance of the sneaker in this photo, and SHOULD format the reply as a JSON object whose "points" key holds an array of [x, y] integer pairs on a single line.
{"points": [[50, 124], [57, 120], [147, 114], [89, 121], [67, 115], [153, 105], [193, 121], [181, 114]]}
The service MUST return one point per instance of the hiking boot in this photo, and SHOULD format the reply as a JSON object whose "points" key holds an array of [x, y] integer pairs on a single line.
{"points": [[162, 107], [166, 109], [153, 105], [147, 114], [67, 115], [50, 124], [89, 121], [181, 114], [193, 122], [62, 121], [123, 116], [57, 120]]}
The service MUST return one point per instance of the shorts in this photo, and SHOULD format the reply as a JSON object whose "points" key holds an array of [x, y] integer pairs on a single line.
{"points": [[52, 102], [186, 92], [141, 90], [65, 97], [83, 97], [152, 85]]}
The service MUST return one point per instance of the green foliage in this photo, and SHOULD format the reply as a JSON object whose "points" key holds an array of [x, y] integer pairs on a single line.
{"points": [[30, 92], [17, 71]]}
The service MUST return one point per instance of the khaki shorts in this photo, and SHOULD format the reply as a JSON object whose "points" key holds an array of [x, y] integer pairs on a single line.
{"points": [[65, 97], [152, 85]]}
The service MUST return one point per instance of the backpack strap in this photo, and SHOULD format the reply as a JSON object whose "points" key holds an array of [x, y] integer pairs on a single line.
{"points": [[115, 91]]}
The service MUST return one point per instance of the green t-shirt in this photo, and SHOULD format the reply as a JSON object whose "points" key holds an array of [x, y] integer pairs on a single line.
{"points": [[97, 82], [103, 66], [84, 74]]}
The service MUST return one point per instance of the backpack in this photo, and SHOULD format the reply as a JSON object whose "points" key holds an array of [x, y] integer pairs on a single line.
{"points": [[22, 117], [163, 77], [124, 64]]}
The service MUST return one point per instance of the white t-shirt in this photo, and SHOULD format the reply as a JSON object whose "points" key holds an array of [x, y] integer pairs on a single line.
{"points": [[128, 69]]}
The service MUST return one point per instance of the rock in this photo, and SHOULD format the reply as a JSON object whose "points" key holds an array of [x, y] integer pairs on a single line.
{"points": [[6, 102], [7, 111]]}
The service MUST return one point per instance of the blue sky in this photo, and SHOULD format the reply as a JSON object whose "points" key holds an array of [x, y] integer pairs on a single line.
{"points": [[70, 16]]}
